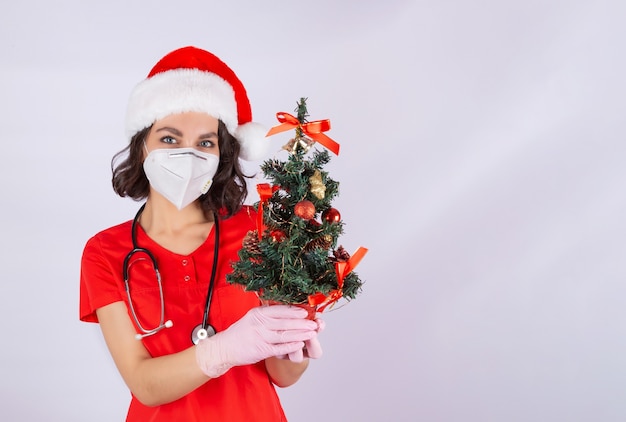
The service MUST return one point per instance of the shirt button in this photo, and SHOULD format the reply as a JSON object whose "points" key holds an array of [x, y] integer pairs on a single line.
{"points": [[187, 278], [184, 262]]}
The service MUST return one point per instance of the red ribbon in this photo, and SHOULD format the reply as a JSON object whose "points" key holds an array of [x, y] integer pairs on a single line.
{"points": [[265, 191], [315, 130], [342, 268]]}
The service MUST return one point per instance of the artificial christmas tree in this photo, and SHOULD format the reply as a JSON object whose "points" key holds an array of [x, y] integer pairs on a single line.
{"points": [[293, 255]]}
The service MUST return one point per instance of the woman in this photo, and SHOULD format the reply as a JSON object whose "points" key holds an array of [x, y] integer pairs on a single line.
{"points": [[148, 282]]}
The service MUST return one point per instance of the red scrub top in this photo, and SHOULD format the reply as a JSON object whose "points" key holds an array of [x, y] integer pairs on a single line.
{"points": [[244, 393]]}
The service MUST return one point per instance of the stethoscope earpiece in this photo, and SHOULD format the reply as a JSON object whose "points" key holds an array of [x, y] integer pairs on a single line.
{"points": [[148, 333]]}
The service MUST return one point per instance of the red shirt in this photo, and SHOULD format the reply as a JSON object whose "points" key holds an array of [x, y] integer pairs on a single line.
{"points": [[244, 393]]}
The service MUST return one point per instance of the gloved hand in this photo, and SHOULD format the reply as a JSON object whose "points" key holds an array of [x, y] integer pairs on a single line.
{"points": [[312, 348], [261, 333]]}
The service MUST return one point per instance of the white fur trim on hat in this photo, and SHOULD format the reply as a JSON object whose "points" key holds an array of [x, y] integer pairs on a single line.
{"points": [[179, 91]]}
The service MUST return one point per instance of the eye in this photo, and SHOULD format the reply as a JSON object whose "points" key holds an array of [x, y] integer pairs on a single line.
{"points": [[168, 140], [207, 143]]}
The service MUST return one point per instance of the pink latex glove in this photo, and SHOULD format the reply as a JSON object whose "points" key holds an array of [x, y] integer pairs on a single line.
{"points": [[261, 333], [312, 348]]}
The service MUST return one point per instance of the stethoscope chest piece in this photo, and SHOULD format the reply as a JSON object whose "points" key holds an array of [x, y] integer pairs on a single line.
{"points": [[200, 333]]}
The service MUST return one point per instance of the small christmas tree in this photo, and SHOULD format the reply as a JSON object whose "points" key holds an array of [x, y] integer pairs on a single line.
{"points": [[293, 255]]}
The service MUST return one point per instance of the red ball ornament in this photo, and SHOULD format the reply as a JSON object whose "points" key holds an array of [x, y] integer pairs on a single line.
{"points": [[331, 215], [277, 235], [305, 210]]}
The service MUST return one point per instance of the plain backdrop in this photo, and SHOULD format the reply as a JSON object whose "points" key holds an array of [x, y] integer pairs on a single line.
{"points": [[482, 164]]}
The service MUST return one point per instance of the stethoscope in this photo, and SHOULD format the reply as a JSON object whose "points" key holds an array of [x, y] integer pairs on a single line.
{"points": [[202, 330]]}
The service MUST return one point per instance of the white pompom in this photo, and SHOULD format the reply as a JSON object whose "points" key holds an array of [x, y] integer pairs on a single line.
{"points": [[251, 137]]}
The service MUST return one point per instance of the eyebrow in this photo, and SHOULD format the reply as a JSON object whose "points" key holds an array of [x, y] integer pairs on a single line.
{"points": [[179, 133]]}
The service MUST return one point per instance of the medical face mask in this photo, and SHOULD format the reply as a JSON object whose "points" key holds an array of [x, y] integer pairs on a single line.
{"points": [[180, 174]]}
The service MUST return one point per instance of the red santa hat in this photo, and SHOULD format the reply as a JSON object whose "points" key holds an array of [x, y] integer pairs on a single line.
{"points": [[191, 79]]}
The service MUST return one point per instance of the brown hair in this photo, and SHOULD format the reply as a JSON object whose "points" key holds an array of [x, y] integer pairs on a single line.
{"points": [[226, 194]]}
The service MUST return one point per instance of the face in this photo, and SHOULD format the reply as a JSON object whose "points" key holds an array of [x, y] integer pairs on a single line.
{"points": [[185, 130]]}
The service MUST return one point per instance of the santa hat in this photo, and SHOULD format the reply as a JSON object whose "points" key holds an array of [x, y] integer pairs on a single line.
{"points": [[191, 79]]}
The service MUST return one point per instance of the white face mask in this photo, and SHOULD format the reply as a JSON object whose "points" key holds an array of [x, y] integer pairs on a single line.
{"points": [[182, 174]]}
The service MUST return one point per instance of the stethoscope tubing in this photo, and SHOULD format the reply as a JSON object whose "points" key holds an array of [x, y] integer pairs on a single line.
{"points": [[200, 332], [209, 294]]}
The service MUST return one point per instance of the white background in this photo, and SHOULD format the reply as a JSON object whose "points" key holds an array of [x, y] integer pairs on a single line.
{"points": [[481, 164]]}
